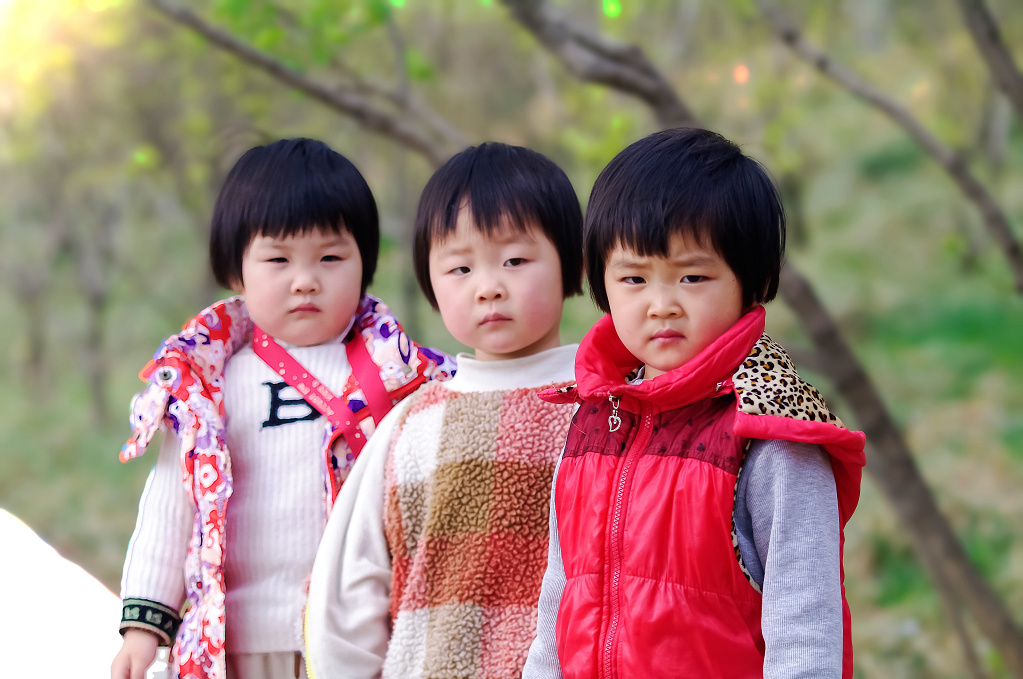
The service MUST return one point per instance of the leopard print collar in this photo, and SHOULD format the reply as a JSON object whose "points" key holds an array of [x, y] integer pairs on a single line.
{"points": [[767, 384]]}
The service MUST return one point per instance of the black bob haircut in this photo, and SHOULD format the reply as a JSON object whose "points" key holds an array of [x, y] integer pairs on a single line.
{"points": [[288, 188], [695, 183], [501, 182]]}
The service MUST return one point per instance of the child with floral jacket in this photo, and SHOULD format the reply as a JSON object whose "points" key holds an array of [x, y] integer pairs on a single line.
{"points": [[261, 404]]}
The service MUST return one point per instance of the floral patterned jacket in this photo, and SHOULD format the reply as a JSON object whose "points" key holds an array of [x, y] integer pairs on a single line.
{"points": [[185, 390]]}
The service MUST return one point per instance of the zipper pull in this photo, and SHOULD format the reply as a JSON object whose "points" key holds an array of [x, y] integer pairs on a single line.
{"points": [[613, 421]]}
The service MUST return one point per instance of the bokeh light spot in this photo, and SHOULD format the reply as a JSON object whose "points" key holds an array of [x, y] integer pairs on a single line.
{"points": [[613, 8]]}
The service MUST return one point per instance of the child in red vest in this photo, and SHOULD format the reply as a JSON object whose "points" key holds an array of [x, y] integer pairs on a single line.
{"points": [[432, 561], [699, 505], [260, 406]]}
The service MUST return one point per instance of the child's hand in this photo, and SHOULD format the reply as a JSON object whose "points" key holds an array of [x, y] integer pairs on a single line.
{"points": [[136, 655]]}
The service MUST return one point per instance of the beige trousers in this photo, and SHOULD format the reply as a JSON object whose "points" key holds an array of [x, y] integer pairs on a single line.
{"points": [[265, 666]]}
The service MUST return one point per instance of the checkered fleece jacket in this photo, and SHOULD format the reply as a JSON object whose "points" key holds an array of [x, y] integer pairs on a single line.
{"points": [[468, 484]]}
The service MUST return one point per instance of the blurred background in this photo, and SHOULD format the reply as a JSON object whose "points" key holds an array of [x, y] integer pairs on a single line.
{"points": [[893, 127]]}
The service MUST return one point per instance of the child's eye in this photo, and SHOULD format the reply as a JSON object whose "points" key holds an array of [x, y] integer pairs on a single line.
{"points": [[278, 260], [633, 280], [515, 261], [460, 270], [693, 279], [331, 258]]}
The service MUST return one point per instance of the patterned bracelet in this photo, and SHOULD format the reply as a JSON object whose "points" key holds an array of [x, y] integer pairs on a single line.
{"points": [[151, 616]]}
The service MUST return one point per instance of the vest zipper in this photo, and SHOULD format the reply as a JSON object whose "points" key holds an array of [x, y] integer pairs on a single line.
{"points": [[646, 424]]}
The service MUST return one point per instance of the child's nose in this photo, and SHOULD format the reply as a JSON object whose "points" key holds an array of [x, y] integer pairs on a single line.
{"points": [[665, 304], [490, 288], [305, 283]]}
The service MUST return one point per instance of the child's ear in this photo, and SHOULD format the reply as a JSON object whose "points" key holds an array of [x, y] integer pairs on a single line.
{"points": [[237, 287]]}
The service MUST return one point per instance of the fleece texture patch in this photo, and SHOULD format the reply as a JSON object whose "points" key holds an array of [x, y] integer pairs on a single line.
{"points": [[467, 500]]}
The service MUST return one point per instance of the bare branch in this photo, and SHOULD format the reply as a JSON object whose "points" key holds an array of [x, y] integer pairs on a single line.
{"points": [[409, 103], [593, 58], [403, 97], [400, 57], [994, 217], [988, 39], [342, 100], [406, 98]]}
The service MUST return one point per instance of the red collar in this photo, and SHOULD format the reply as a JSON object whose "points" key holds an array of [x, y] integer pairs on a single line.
{"points": [[603, 363]]}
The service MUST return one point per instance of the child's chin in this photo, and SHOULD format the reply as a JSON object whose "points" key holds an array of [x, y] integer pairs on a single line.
{"points": [[658, 369]]}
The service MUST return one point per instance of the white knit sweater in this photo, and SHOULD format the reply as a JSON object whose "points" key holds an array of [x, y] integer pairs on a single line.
{"points": [[275, 516]]}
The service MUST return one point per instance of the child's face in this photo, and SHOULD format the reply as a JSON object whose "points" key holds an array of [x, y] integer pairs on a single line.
{"points": [[304, 289], [500, 295], [668, 309]]}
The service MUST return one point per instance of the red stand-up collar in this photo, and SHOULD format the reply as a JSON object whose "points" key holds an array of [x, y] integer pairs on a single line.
{"points": [[603, 363]]}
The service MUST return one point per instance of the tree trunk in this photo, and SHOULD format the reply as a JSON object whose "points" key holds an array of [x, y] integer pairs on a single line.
{"points": [[892, 467]]}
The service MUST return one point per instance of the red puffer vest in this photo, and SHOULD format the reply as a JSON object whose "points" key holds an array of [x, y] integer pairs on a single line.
{"points": [[644, 500]]}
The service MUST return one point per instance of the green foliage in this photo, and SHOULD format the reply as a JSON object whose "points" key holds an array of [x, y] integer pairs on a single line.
{"points": [[988, 541], [1012, 436], [418, 65], [233, 9], [972, 335], [378, 11], [898, 575], [596, 144], [883, 163], [301, 34], [745, 9], [269, 37], [53, 476]]}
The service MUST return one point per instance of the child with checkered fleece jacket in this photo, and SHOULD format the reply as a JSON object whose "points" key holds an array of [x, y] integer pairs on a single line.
{"points": [[431, 564]]}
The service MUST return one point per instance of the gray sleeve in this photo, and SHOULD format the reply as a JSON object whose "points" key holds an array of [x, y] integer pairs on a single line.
{"points": [[542, 662], [786, 519]]}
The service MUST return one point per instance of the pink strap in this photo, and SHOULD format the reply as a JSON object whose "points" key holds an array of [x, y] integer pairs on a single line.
{"points": [[367, 374], [315, 392]]}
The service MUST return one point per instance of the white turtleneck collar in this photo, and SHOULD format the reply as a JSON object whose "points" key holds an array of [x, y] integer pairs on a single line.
{"points": [[538, 370]]}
